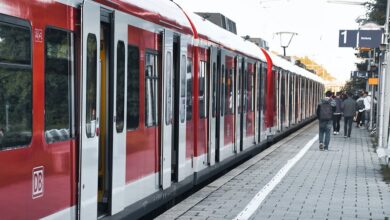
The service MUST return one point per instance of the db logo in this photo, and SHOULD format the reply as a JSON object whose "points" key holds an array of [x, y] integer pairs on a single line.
{"points": [[37, 182], [38, 35]]}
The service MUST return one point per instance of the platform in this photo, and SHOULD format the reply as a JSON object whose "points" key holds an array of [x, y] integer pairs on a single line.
{"points": [[346, 182]]}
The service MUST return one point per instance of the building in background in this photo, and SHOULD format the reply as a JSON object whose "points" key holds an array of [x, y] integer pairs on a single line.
{"points": [[220, 20], [334, 85]]}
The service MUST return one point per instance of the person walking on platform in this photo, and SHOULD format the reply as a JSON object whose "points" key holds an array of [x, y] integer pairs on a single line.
{"points": [[367, 108], [325, 111], [360, 111], [337, 114], [348, 107]]}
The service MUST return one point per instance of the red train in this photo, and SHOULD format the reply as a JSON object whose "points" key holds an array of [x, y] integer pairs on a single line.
{"points": [[111, 107]]}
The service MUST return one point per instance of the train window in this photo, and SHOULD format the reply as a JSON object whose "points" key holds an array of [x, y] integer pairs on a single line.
{"points": [[120, 86], [151, 89], [15, 85], [229, 92], [202, 89], [58, 85], [250, 90], [189, 89], [264, 88], [239, 89], [259, 86], [132, 87], [245, 91], [183, 88], [15, 44], [168, 89], [222, 91], [214, 92], [91, 84]]}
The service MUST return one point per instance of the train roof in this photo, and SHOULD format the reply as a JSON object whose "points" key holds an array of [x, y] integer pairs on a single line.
{"points": [[169, 13], [216, 34], [166, 9], [221, 36], [164, 12], [286, 65]]}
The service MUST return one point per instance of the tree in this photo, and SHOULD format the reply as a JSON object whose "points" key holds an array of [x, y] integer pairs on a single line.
{"points": [[376, 12], [354, 85]]}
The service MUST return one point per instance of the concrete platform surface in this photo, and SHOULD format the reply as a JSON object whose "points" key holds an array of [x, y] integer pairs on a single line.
{"points": [[346, 182]]}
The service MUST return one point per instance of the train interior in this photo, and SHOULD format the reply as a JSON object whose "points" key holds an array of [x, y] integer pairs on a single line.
{"points": [[106, 111], [176, 109]]}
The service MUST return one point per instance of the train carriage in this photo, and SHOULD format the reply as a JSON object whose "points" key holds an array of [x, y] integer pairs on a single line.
{"points": [[115, 107]]}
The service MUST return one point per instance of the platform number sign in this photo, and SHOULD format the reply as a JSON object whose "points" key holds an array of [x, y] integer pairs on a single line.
{"points": [[348, 38], [38, 182], [360, 38]]}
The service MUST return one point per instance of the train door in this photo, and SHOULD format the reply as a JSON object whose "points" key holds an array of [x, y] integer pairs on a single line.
{"points": [[89, 118], [117, 110], [290, 91], [238, 105], [229, 112], [180, 53], [112, 138], [173, 118], [167, 111], [282, 105], [257, 102], [212, 106], [244, 101], [220, 128], [102, 141]]}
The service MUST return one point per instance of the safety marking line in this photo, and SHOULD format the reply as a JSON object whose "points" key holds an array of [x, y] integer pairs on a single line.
{"points": [[255, 203]]}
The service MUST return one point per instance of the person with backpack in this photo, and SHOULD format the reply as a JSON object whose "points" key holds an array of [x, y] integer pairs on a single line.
{"points": [[360, 109], [325, 110], [348, 107], [367, 108]]}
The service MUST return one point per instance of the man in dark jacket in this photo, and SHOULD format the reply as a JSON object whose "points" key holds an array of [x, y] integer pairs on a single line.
{"points": [[325, 111], [349, 108]]}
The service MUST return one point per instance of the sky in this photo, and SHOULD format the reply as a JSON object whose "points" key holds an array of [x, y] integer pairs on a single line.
{"points": [[316, 22]]}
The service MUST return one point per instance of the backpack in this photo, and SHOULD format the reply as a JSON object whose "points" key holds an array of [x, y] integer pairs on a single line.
{"points": [[326, 112], [360, 104]]}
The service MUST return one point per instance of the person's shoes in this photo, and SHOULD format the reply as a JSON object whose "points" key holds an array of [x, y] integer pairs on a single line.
{"points": [[349, 136], [337, 132], [334, 132], [326, 149], [345, 136], [321, 146]]}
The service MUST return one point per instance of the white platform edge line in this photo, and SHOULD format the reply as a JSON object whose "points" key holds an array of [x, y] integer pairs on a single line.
{"points": [[255, 203]]}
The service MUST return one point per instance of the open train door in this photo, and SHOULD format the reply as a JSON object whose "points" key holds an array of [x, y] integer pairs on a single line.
{"points": [[166, 110], [213, 91], [90, 98], [118, 129]]}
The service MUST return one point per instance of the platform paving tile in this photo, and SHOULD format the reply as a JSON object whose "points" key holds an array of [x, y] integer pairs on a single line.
{"points": [[342, 183]]}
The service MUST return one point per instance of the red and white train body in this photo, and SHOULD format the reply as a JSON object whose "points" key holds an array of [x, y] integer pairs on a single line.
{"points": [[113, 107]]}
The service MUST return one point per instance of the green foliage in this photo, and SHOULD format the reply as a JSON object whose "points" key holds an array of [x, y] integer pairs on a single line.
{"points": [[354, 85], [376, 11]]}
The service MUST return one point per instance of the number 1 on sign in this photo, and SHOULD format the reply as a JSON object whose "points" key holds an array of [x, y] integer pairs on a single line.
{"points": [[344, 33], [357, 39]]}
